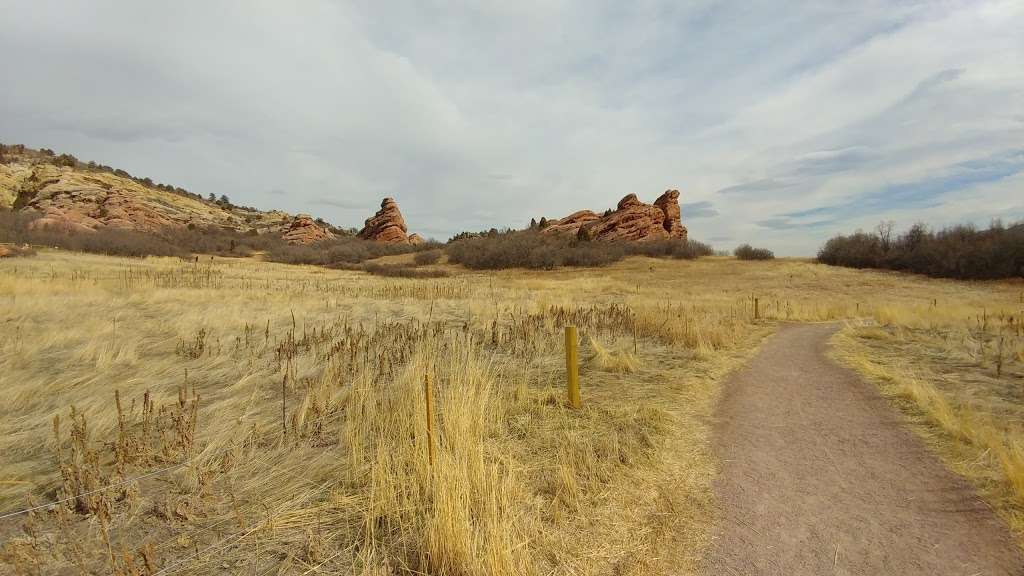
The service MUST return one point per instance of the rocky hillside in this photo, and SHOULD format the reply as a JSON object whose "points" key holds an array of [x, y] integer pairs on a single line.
{"points": [[632, 220], [84, 197]]}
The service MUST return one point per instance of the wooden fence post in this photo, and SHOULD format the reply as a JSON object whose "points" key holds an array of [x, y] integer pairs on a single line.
{"points": [[571, 369], [428, 393]]}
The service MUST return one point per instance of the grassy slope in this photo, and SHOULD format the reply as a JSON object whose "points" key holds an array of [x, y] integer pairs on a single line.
{"points": [[521, 484]]}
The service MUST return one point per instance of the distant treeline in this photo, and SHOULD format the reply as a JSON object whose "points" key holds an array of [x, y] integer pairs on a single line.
{"points": [[960, 251]]}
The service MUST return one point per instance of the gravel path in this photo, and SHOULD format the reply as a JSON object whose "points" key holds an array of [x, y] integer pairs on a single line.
{"points": [[819, 476]]}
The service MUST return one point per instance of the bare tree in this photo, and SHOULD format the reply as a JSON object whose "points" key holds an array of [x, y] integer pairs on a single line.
{"points": [[884, 231]]}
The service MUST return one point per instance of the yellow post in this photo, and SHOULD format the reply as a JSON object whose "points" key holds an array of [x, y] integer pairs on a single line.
{"points": [[429, 395], [571, 369], [757, 311]]}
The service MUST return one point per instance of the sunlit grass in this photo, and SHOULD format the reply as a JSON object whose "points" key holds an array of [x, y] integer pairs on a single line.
{"points": [[309, 450]]}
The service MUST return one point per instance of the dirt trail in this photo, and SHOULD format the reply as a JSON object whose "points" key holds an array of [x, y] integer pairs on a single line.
{"points": [[820, 477]]}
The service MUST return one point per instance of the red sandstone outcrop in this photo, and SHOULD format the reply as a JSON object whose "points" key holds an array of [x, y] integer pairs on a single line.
{"points": [[80, 202], [77, 200], [632, 220], [669, 204], [388, 226], [305, 230], [571, 224]]}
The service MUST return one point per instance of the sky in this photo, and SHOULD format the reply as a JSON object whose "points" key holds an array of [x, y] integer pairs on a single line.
{"points": [[781, 124]]}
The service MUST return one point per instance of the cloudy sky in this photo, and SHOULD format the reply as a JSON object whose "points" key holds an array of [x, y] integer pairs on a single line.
{"points": [[779, 125]]}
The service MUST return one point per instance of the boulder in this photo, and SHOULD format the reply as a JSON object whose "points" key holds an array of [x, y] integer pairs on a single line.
{"points": [[387, 225], [570, 224], [304, 230], [416, 239], [65, 221], [14, 250]]}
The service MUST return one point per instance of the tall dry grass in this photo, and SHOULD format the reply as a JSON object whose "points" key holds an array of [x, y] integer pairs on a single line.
{"points": [[307, 449], [954, 367], [307, 452]]}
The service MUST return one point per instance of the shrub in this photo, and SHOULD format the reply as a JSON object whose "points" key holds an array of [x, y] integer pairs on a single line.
{"points": [[678, 249], [748, 252], [533, 249], [425, 257], [527, 249], [955, 252], [220, 241], [66, 160], [340, 251], [15, 227]]}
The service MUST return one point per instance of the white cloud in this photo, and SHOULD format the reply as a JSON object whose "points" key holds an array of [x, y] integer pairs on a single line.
{"points": [[486, 114]]}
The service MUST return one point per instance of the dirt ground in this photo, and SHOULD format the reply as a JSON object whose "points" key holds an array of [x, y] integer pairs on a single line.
{"points": [[819, 476]]}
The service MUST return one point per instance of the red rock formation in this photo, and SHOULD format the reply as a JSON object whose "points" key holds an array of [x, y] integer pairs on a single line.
{"points": [[387, 225], [83, 201], [14, 251], [571, 224], [635, 221], [305, 230], [669, 204]]}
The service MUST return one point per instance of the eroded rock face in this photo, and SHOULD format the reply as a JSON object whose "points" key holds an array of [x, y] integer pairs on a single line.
{"points": [[305, 230], [416, 239], [387, 225], [571, 224], [669, 204], [635, 221], [81, 202], [84, 201]]}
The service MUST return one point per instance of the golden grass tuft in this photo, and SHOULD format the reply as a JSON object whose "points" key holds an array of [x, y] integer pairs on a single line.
{"points": [[617, 360]]}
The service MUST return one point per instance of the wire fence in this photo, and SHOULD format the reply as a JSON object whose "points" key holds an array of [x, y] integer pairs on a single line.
{"points": [[94, 491]]}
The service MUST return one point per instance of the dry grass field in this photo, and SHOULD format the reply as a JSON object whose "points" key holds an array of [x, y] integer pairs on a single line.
{"points": [[955, 368], [237, 416]]}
